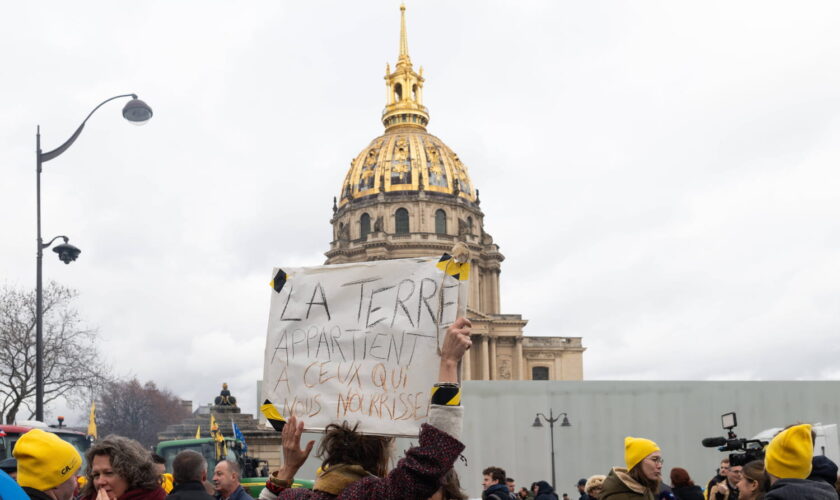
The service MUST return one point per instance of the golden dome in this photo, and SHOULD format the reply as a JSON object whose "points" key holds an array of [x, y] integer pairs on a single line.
{"points": [[406, 157]]}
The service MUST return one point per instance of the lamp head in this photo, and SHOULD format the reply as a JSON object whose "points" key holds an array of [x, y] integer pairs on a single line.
{"points": [[67, 253], [137, 111], [537, 422], [565, 422]]}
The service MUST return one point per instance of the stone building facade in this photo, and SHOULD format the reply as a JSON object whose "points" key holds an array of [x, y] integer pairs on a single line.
{"points": [[407, 194]]}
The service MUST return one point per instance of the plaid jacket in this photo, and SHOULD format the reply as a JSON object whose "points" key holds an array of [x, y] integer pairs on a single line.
{"points": [[417, 476]]}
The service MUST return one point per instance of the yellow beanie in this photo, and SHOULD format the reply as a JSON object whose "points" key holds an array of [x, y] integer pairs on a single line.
{"points": [[44, 460], [788, 456], [636, 449]]}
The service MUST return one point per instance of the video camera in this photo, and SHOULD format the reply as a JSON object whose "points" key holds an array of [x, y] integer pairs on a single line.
{"points": [[746, 450]]}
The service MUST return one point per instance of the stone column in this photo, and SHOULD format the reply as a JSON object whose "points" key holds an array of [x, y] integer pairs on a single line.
{"points": [[493, 373], [485, 359], [520, 360], [558, 368], [496, 298], [474, 292]]}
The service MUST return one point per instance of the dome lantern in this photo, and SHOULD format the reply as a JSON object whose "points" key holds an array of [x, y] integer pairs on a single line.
{"points": [[404, 99]]}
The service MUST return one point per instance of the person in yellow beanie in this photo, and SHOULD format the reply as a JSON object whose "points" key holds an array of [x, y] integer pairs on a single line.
{"points": [[787, 461], [46, 466], [640, 478]]}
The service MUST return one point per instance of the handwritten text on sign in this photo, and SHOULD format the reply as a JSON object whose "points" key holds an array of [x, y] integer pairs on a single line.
{"points": [[358, 342]]}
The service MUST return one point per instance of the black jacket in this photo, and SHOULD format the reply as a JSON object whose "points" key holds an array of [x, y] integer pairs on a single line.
{"points": [[191, 490], [688, 493], [733, 491], [546, 491], [497, 491], [36, 494], [800, 489]]}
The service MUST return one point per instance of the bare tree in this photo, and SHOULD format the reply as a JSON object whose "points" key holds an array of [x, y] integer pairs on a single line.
{"points": [[72, 365], [138, 411]]}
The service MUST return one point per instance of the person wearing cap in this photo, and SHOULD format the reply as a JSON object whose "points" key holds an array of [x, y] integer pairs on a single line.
{"points": [[581, 487], [46, 466], [640, 479], [822, 469], [787, 461]]}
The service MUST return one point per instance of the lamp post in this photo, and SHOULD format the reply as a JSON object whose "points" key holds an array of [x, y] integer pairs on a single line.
{"points": [[551, 419], [135, 111]]}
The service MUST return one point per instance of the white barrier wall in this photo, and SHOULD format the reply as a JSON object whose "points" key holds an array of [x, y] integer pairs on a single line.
{"points": [[677, 415]]}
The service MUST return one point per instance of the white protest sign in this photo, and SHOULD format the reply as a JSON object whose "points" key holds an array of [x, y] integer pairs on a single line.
{"points": [[359, 342]]}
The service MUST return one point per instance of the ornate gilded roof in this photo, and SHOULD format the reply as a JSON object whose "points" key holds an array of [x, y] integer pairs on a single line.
{"points": [[405, 160], [406, 157]]}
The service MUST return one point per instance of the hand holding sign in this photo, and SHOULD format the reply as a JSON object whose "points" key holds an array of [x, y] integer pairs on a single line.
{"points": [[455, 345], [293, 455]]}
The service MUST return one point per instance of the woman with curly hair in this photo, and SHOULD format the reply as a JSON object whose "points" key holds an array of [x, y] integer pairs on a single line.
{"points": [[354, 465], [119, 468]]}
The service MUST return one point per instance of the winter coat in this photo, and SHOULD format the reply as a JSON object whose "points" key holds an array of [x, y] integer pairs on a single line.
{"points": [[35, 494], [620, 486], [190, 490], [692, 492], [417, 476], [800, 489], [238, 494], [546, 492], [137, 494], [496, 492]]}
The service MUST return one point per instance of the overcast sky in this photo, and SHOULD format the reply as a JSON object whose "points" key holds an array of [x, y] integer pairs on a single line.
{"points": [[662, 177]]}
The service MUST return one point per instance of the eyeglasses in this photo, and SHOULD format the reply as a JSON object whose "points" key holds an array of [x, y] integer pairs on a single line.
{"points": [[657, 460]]}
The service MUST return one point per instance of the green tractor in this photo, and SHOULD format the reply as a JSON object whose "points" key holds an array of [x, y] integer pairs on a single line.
{"points": [[254, 471]]}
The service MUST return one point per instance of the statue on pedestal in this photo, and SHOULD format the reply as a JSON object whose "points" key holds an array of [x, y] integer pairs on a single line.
{"points": [[224, 398]]}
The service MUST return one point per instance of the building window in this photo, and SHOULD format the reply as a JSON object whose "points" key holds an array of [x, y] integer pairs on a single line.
{"points": [[401, 221], [539, 373], [398, 92], [440, 222], [364, 226], [469, 225]]}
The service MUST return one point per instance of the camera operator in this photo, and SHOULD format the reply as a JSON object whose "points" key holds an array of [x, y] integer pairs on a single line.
{"points": [[727, 487]]}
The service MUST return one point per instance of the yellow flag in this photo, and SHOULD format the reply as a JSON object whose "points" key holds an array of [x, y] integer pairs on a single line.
{"points": [[198, 432], [214, 429], [91, 431]]}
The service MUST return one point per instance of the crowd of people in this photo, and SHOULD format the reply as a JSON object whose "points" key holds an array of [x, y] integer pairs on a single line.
{"points": [[356, 466], [788, 471]]}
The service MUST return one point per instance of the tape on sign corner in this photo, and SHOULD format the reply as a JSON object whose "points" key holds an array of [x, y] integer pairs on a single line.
{"points": [[279, 280], [459, 271], [273, 416], [446, 395]]}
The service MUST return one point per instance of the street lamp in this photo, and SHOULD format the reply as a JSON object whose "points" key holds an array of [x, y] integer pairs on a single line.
{"points": [[551, 419], [135, 111]]}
